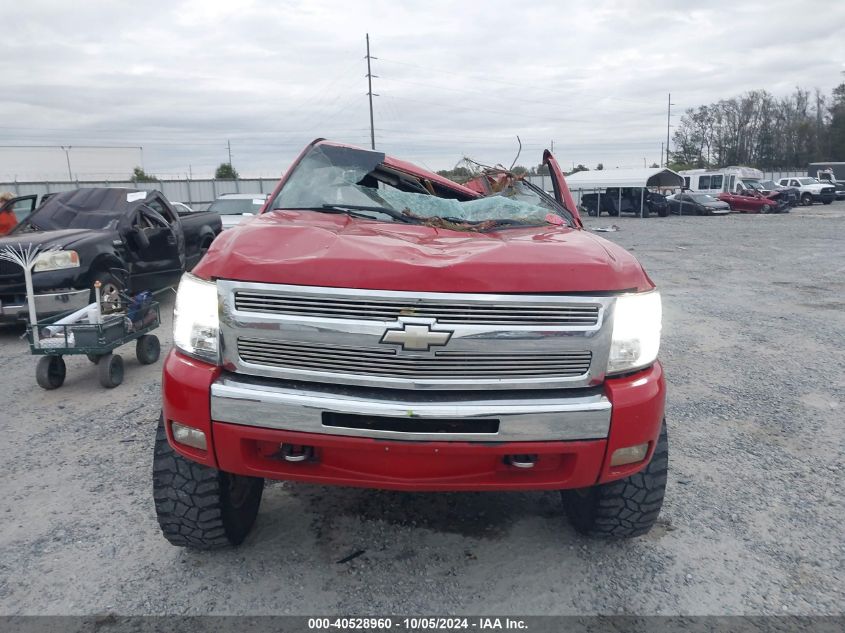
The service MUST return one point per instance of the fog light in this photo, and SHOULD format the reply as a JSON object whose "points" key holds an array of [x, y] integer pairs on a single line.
{"points": [[629, 455], [188, 436]]}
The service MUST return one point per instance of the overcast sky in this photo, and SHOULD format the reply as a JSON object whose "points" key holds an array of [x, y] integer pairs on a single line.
{"points": [[455, 79]]}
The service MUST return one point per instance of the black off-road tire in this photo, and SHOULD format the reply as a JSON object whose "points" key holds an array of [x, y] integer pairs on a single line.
{"points": [[50, 372], [110, 370], [198, 506], [147, 349], [827, 201], [94, 358], [624, 508], [663, 212], [806, 200]]}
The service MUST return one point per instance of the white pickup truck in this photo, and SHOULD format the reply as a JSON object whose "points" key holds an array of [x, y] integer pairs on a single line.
{"points": [[811, 190], [829, 178]]}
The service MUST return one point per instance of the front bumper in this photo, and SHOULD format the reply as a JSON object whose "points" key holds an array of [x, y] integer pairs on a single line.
{"points": [[16, 308], [571, 436], [539, 416]]}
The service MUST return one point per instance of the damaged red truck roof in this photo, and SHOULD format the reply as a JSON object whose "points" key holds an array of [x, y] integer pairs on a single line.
{"points": [[292, 246]]}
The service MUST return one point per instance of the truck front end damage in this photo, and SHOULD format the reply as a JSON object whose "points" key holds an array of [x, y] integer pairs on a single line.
{"points": [[437, 355]]}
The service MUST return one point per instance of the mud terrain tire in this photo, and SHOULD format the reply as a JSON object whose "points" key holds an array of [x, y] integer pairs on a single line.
{"points": [[198, 506], [624, 508]]}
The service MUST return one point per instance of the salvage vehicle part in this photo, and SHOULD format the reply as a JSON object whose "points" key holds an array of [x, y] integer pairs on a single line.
{"points": [[380, 326]]}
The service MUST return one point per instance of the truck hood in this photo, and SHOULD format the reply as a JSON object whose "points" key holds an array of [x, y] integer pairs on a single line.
{"points": [[316, 249], [46, 239]]}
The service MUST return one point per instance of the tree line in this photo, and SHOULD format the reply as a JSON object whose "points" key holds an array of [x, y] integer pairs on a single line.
{"points": [[762, 130], [224, 171]]}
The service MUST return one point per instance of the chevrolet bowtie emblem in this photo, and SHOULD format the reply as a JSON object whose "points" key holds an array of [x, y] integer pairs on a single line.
{"points": [[416, 337]]}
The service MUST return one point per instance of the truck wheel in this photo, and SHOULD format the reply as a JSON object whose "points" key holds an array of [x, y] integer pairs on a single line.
{"points": [[198, 506], [147, 349], [806, 199], [50, 372], [624, 508], [827, 201], [94, 358], [663, 212], [110, 289], [110, 370], [765, 209]]}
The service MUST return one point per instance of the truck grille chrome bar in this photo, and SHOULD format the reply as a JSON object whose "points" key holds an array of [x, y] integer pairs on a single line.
{"points": [[386, 362], [445, 311], [426, 341]]}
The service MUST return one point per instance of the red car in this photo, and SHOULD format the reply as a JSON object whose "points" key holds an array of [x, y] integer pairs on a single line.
{"points": [[380, 326], [751, 201]]}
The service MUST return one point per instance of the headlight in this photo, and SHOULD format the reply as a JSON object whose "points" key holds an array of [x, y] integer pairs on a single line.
{"points": [[636, 332], [196, 323], [56, 260]]}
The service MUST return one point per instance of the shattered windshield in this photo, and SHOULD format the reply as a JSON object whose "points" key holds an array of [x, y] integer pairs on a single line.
{"points": [[357, 182]]}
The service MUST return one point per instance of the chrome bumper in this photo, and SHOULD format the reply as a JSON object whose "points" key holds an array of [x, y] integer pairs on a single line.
{"points": [[550, 416], [46, 304]]}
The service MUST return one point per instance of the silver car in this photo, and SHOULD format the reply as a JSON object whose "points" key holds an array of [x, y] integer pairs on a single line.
{"points": [[235, 207]]}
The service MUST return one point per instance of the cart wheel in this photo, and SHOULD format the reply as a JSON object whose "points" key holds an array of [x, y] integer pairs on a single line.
{"points": [[147, 349], [110, 370], [50, 372], [94, 358]]}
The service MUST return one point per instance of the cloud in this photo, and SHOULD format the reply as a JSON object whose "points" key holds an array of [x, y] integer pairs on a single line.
{"points": [[181, 79]]}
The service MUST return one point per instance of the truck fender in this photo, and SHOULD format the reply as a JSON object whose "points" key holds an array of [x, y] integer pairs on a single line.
{"points": [[102, 263]]}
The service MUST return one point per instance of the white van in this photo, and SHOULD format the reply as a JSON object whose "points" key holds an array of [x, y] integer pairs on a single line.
{"points": [[714, 182]]}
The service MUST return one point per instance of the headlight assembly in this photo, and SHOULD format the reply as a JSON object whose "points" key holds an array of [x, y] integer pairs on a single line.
{"points": [[55, 260], [196, 323], [636, 332]]}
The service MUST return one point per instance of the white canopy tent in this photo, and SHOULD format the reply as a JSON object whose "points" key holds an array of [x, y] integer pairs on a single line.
{"points": [[599, 180]]}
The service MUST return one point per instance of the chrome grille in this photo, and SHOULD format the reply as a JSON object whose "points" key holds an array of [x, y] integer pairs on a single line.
{"points": [[387, 362], [444, 311]]}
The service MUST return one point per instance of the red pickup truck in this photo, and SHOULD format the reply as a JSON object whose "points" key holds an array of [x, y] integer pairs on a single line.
{"points": [[380, 326]]}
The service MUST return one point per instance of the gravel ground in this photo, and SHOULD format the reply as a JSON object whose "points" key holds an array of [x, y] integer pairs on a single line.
{"points": [[753, 350]]}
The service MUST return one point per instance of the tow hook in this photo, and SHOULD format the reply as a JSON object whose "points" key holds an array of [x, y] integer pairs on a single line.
{"points": [[521, 461], [296, 452]]}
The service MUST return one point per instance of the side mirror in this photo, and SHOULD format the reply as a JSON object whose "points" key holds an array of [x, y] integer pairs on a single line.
{"points": [[137, 239]]}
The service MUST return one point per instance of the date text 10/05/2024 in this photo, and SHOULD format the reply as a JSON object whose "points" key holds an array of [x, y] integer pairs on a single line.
{"points": [[417, 624]]}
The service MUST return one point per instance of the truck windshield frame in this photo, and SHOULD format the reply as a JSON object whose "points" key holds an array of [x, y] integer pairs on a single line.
{"points": [[335, 177]]}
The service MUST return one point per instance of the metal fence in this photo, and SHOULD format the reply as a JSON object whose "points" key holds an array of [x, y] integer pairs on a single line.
{"points": [[200, 193], [196, 193]]}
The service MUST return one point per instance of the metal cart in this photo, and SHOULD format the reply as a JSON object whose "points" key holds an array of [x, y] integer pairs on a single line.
{"points": [[97, 341]]}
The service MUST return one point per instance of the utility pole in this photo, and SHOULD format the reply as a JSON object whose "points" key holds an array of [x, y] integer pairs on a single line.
{"points": [[668, 119], [370, 93], [229, 147], [553, 147], [661, 154]]}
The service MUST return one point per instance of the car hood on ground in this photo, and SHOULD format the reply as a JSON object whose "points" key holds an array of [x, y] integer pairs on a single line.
{"points": [[315, 249]]}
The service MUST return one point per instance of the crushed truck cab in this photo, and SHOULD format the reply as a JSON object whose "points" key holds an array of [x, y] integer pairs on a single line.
{"points": [[380, 326]]}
